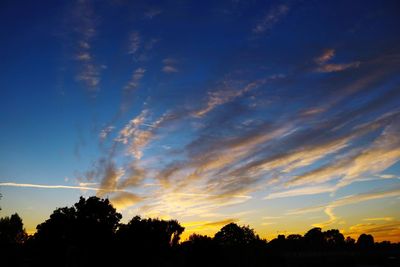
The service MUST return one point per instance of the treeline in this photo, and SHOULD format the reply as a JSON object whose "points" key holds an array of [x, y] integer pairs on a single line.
{"points": [[90, 234]]}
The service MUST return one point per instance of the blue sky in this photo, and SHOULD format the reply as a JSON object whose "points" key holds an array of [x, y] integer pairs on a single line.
{"points": [[279, 114]]}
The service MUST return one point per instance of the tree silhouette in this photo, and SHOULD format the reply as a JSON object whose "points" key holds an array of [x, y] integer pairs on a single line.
{"points": [[314, 238], [334, 239], [279, 243], [12, 237], [198, 239], [89, 220], [59, 228], [294, 242], [365, 241], [12, 230], [238, 246], [78, 233], [96, 219], [235, 235], [152, 231], [151, 240], [199, 250], [89, 234]]}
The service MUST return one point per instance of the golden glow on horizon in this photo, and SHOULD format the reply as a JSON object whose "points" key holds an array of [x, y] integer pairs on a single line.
{"points": [[193, 204]]}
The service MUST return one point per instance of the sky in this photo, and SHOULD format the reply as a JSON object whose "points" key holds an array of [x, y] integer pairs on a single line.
{"points": [[281, 115]]}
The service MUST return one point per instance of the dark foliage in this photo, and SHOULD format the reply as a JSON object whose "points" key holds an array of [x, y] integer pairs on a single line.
{"points": [[233, 235], [12, 231], [151, 241], [90, 234], [12, 237], [365, 242], [78, 235]]}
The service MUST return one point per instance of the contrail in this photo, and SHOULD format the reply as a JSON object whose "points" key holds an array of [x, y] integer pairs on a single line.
{"points": [[59, 187]]}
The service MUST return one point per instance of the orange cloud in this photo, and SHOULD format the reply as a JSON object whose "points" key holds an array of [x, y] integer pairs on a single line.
{"points": [[124, 199], [327, 55]]}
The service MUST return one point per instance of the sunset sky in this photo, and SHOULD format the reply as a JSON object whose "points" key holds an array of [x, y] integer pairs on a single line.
{"points": [[281, 115]]}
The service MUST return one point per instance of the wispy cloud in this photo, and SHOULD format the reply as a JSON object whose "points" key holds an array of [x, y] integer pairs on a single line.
{"points": [[152, 13], [387, 219], [327, 55], [139, 46], [344, 201], [208, 159], [268, 223], [204, 227], [388, 176], [134, 43], [108, 173], [130, 88], [324, 66], [169, 69], [381, 231], [375, 194], [383, 153], [220, 223], [90, 76], [170, 65], [137, 75], [230, 92], [237, 165], [309, 190], [138, 132], [337, 67], [104, 133], [89, 73], [274, 15], [191, 203], [288, 153]]}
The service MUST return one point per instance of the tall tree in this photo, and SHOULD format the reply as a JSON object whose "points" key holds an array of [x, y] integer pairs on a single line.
{"points": [[150, 241], [365, 241], [334, 239], [314, 238], [12, 237], [82, 233], [233, 234], [12, 230]]}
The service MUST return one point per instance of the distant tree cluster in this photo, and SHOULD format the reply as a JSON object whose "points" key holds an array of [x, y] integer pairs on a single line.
{"points": [[90, 234]]}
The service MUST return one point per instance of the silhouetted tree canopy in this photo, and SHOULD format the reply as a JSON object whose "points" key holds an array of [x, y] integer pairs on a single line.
{"points": [[81, 233], [150, 240], [365, 241], [233, 235], [197, 239], [12, 230], [199, 250], [349, 242], [294, 237], [12, 237], [90, 234], [334, 238], [314, 238], [88, 220], [151, 231], [279, 243], [59, 228]]}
